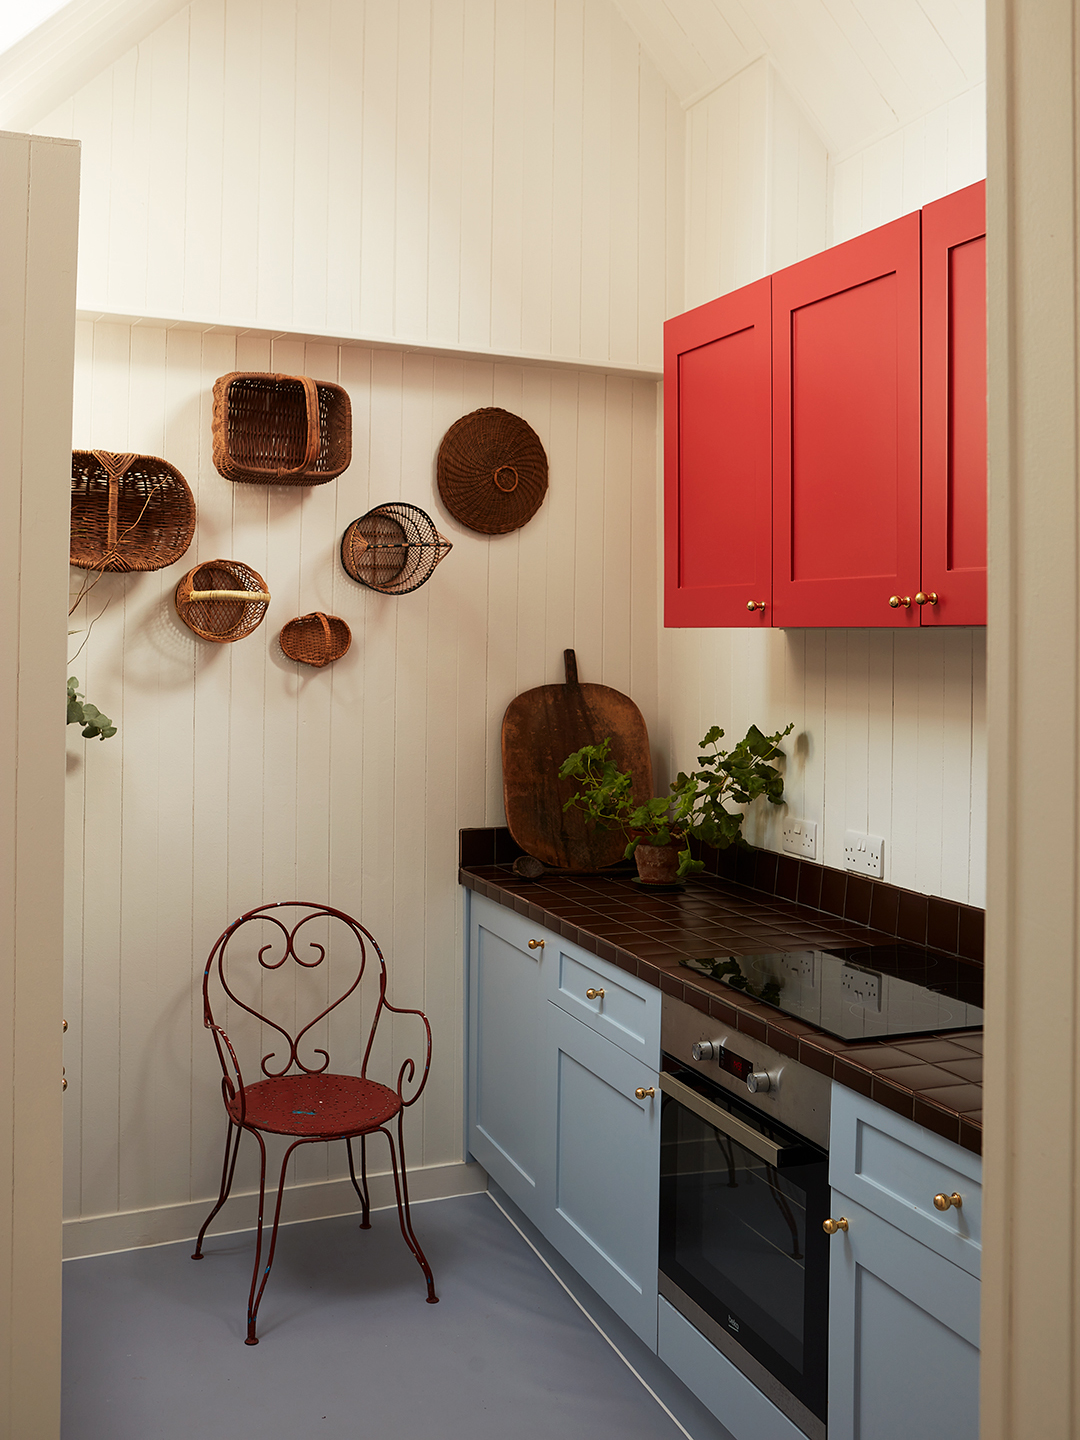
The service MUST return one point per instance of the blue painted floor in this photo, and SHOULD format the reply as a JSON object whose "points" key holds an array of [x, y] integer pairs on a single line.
{"points": [[153, 1342]]}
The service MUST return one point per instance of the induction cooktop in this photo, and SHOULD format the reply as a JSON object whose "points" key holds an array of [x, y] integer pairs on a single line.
{"points": [[860, 991]]}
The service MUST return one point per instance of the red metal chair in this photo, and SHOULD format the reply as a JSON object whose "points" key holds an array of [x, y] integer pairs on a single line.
{"points": [[311, 1103]]}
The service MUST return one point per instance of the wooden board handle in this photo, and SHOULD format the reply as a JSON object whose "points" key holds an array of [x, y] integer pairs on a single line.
{"points": [[570, 662]]}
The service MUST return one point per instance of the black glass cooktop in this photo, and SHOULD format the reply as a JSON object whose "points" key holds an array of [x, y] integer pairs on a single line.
{"points": [[860, 991]]}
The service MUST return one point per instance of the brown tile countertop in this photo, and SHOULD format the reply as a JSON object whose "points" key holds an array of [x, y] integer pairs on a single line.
{"points": [[935, 1080]]}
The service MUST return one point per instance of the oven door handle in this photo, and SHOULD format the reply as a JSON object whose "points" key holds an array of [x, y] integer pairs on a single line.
{"points": [[722, 1119]]}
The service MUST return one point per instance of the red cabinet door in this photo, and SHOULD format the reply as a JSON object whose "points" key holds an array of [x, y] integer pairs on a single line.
{"points": [[717, 462], [846, 437], [954, 409]]}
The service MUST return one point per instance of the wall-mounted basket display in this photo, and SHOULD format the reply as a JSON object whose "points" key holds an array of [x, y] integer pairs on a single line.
{"points": [[492, 471], [393, 548], [128, 512], [315, 639], [280, 429], [222, 600]]}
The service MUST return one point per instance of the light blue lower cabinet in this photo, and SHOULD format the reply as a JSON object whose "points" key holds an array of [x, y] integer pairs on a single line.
{"points": [[507, 1050], [903, 1335], [735, 1401], [600, 1166]]}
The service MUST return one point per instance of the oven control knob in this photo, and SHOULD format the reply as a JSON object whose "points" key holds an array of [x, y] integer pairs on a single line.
{"points": [[758, 1081], [708, 1050]]}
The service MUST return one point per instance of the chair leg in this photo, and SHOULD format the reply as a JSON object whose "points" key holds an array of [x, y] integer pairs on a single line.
{"points": [[401, 1190], [255, 1296], [228, 1168], [361, 1186]]}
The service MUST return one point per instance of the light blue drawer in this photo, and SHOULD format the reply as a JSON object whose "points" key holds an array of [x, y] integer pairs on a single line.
{"points": [[627, 1012], [895, 1168]]}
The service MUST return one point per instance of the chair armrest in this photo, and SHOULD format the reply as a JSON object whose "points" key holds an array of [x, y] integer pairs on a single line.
{"points": [[410, 1065], [229, 1089]]}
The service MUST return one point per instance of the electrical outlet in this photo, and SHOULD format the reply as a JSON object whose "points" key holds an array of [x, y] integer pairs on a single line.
{"points": [[800, 838], [865, 854], [861, 985], [801, 963]]}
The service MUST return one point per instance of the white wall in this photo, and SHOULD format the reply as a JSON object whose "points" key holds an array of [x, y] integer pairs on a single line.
{"points": [[481, 173], [890, 727]]}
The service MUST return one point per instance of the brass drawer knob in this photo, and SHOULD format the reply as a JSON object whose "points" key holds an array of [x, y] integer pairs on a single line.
{"points": [[537, 944], [831, 1226], [752, 605], [943, 1202], [594, 994], [898, 601], [925, 597], [646, 1093]]}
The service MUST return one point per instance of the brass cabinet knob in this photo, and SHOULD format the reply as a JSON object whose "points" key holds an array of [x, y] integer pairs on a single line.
{"points": [[537, 944], [644, 1093], [925, 597], [942, 1202], [755, 605], [65, 1027], [594, 994], [896, 601], [831, 1226]]}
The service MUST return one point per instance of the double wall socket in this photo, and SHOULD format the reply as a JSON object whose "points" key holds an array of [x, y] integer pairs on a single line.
{"points": [[800, 838], [865, 854]]}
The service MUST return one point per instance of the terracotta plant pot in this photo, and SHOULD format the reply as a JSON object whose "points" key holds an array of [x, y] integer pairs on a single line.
{"points": [[657, 864]]}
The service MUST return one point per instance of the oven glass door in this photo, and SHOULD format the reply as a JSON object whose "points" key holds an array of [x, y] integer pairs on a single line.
{"points": [[742, 1202]]}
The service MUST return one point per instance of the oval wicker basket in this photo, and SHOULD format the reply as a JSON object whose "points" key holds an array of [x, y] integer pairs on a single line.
{"points": [[492, 471], [222, 600], [315, 639], [280, 429], [393, 548], [128, 512]]}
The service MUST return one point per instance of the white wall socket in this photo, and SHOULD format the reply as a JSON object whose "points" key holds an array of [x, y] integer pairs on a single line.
{"points": [[865, 854], [800, 838]]}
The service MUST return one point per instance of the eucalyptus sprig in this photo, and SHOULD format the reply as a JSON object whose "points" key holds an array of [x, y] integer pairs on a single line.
{"points": [[81, 712], [696, 805]]}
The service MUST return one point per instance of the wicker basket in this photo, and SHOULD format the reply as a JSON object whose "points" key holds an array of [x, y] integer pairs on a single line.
{"points": [[315, 639], [393, 548], [222, 600], [280, 429], [492, 471], [128, 512]]}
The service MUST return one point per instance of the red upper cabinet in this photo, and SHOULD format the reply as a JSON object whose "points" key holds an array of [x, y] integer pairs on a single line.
{"points": [[718, 461], [954, 409], [846, 433]]}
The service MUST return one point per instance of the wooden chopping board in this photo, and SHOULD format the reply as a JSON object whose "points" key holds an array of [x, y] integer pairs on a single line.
{"points": [[540, 729]]}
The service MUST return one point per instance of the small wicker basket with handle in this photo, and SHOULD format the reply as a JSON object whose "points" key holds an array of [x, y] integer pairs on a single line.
{"points": [[280, 429], [222, 600], [315, 639], [128, 512]]}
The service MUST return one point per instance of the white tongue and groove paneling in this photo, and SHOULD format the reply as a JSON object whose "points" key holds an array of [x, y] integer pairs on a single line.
{"points": [[238, 776], [490, 174]]}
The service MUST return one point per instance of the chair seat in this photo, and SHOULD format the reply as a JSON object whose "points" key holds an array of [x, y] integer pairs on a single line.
{"points": [[323, 1105]]}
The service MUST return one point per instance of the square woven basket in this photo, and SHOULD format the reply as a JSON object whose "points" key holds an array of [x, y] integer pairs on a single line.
{"points": [[280, 429]]}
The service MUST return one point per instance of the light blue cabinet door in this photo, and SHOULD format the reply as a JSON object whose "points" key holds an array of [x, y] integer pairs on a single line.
{"points": [[506, 1047], [601, 1166], [903, 1335]]}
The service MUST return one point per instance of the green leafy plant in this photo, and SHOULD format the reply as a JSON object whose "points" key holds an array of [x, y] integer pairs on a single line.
{"points": [[81, 712], [697, 804]]}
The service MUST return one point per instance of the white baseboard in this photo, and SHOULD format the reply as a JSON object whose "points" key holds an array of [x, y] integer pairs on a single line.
{"points": [[165, 1224]]}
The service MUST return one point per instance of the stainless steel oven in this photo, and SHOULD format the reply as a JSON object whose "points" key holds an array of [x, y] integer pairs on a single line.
{"points": [[743, 1194]]}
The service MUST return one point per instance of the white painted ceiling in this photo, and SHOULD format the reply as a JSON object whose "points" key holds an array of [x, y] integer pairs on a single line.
{"points": [[860, 68]]}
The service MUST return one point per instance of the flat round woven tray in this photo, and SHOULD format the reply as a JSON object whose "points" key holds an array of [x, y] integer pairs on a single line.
{"points": [[492, 471], [315, 639], [222, 600]]}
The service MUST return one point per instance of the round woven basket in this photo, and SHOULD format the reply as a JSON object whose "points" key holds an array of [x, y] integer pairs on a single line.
{"points": [[393, 548], [128, 512], [492, 471], [222, 600], [315, 639]]}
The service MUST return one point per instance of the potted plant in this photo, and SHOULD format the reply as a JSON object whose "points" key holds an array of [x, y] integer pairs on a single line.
{"points": [[658, 833]]}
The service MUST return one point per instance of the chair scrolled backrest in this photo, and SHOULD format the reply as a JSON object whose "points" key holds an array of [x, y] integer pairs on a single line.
{"points": [[263, 941]]}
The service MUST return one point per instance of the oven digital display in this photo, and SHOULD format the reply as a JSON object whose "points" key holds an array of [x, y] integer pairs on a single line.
{"points": [[735, 1065]]}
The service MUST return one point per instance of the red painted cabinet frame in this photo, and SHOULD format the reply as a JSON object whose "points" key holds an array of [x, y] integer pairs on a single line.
{"points": [[954, 409], [718, 462], [846, 433]]}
